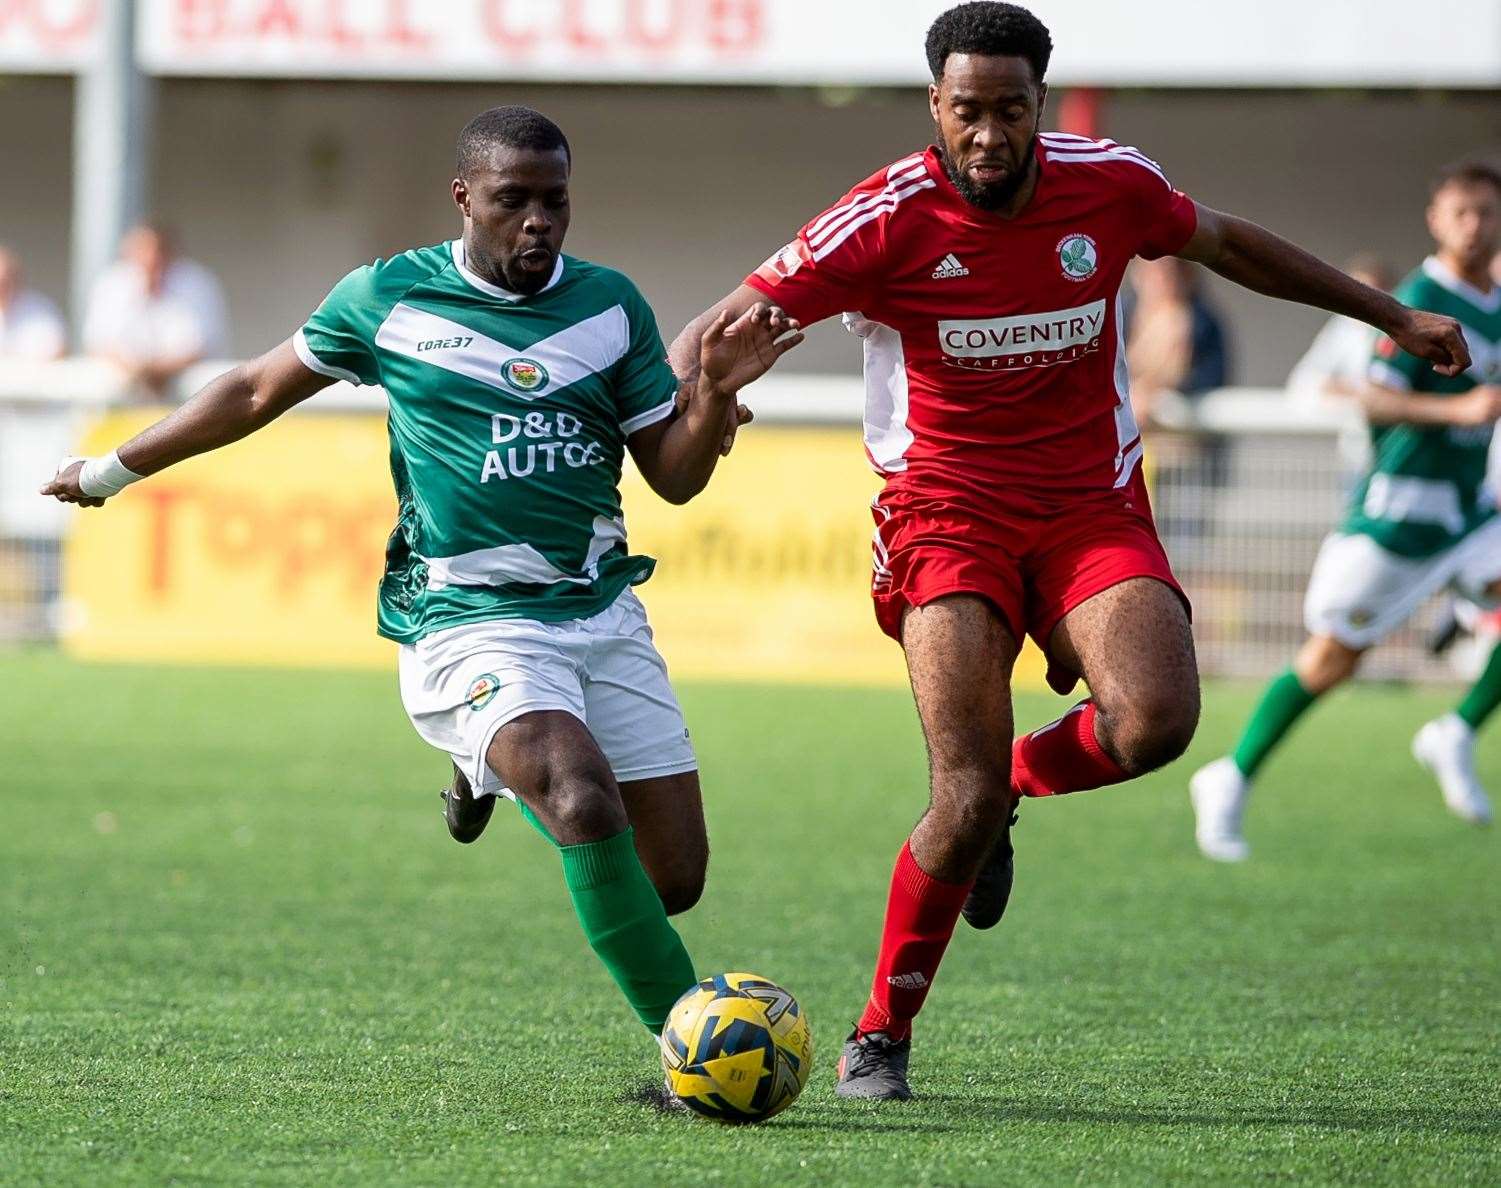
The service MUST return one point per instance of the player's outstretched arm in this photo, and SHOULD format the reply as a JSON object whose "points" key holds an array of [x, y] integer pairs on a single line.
{"points": [[683, 354], [1390, 406], [1252, 256], [677, 456], [228, 408]]}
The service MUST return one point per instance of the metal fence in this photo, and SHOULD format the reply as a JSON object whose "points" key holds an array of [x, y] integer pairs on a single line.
{"points": [[1242, 515]]}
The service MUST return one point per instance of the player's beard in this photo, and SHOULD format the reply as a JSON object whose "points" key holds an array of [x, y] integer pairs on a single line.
{"points": [[988, 197]]}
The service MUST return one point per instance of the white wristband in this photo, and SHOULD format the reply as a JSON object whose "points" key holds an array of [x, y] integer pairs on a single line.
{"points": [[102, 477]]}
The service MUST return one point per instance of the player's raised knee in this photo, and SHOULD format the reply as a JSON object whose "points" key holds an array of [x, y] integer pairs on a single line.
{"points": [[578, 808], [1154, 730], [1173, 735]]}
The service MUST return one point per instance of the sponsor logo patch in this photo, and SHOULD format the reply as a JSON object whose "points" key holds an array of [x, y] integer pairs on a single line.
{"points": [[908, 981], [457, 343], [1023, 340], [1078, 256], [482, 691], [524, 375]]}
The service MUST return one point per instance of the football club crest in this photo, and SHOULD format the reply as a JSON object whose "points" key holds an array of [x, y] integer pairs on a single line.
{"points": [[482, 691], [787, 261], [526, 376], [1078, 256]]}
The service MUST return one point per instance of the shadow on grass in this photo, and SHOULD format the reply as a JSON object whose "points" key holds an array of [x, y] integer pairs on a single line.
{"points": [[815, 1116], [1331, 1116], [952, 1113], [892, 1118]]}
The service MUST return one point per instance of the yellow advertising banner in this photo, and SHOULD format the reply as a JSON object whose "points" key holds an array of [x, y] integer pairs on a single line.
{"points": [[269, 552], [766, 575]]}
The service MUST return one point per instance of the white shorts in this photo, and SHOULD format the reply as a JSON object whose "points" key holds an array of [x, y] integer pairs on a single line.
{"points": [[1359, 592], [461, 685]]}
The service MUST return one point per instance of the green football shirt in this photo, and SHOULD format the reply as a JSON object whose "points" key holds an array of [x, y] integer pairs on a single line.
{"points": [[1426, 487], [508, 421]]}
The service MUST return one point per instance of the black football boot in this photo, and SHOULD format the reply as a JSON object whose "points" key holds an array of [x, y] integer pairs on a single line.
{"points": [[987, 899], [465, 814], [874, 1067]]}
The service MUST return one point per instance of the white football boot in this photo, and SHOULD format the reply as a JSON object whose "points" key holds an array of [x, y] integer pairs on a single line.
{"points": [[1219, 793], [1446, 747]]}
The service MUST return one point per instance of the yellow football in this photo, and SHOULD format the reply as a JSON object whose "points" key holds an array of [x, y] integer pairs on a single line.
{"points": [[737, 1048]]}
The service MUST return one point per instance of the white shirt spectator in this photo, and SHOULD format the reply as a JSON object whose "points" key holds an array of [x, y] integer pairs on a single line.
{"points": [[183, 318], [1331, 374], [1335, 365], [31, 328]]}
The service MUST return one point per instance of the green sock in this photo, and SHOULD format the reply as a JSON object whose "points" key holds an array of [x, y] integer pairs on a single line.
{"points": [[1280, 706], [1484, 695], [626, 926]]}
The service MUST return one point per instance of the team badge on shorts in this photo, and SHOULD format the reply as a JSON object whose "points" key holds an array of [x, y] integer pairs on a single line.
{"points": [[1078, 256], [524, 375], [482, 691]]}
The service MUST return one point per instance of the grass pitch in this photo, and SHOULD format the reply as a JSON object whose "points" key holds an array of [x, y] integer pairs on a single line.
{"points": [[237, 946]]}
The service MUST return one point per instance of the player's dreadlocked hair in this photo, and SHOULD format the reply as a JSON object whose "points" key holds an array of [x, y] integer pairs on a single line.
{"points": [[512, 127], [987, 27], [1466, 173]]}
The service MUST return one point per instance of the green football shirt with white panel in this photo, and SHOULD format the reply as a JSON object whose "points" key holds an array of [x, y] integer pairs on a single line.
{"points": [[1426, 488], [508, 421]]}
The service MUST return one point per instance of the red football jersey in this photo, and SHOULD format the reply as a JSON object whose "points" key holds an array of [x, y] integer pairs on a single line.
{"points": [[993, 354]]}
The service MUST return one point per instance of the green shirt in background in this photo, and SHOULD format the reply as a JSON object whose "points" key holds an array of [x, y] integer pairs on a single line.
{"points": [[1426, 487]]}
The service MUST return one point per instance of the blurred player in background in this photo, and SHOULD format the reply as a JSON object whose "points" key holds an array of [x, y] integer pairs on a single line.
{"points": [[983, 275], [1422, 520], [517, 378]]}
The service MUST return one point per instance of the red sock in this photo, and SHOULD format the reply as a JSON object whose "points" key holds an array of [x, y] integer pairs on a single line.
{"points": [[1063, 756], [920, 917]]}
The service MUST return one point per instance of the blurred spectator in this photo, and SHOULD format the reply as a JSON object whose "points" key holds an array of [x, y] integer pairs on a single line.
{"points": [[1335, 366], [1496, 269], [154, 313], [30, 326], [1175, 340]]}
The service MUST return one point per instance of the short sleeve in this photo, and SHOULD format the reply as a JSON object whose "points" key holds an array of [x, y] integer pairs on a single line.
{"points": [[827, 269], [1165, 216], [338, 338], [1391, 366], [645, 386]]}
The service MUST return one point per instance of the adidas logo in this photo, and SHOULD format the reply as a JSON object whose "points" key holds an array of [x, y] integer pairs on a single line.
{"points": [[949, 267], [911, 981]]}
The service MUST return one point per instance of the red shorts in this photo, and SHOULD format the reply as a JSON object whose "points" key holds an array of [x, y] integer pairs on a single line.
{"points": [[1034, 565]]}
